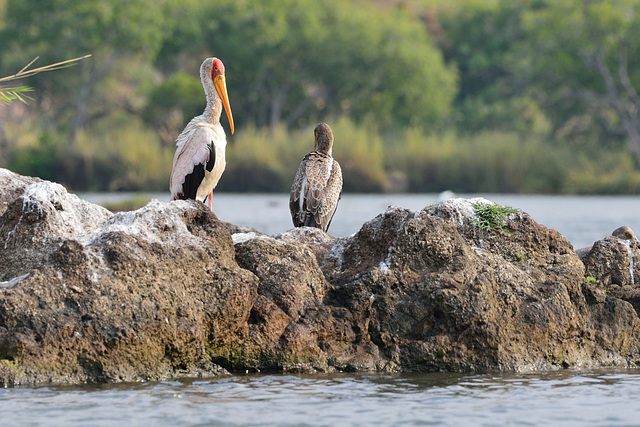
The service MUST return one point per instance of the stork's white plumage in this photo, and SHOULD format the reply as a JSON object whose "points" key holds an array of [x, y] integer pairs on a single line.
{"points": [[317, 186], [200, 149]]}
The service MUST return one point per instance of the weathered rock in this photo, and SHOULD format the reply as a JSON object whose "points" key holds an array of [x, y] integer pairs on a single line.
{"points": [[623, 233], [614, 261], [169, 290], [36, 223], [12, 186], [435, 293], [612, 266], [153, 293], [427, 290]]}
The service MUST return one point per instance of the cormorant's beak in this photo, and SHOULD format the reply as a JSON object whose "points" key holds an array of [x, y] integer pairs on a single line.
{"points": [[221, 87]]}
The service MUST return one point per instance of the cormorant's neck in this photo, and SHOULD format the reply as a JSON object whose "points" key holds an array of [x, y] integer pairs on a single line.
{"points": [[325, 148]]}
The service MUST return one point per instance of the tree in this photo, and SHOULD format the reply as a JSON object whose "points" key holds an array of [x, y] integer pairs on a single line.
{"points": [[582, 59], [110, 29], [295, 61], [479, 38]]}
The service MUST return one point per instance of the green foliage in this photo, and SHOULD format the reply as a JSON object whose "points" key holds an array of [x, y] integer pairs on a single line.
{"points": [[479, 38], [172, 103], [76, 26], [427, 95], [485, 162], [491, 216], [41, 159], [130, 204], [10, 94], [591, 279], [18, 93], [263, 160], [116, 32], [295, 61], [359, 150], [115, 157], [576, 44], [130, 155]]}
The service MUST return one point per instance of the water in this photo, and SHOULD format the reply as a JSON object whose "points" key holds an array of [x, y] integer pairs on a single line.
{"points": [[581, 219], [595, 398]]}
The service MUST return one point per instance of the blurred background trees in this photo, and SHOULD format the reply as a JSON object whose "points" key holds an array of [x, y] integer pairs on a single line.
{"points": [[423, 95]]}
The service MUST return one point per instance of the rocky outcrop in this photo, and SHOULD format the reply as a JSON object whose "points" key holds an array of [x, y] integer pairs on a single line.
{"points": [[169, 290], [91, 296], [613, 269], [12, 186]]}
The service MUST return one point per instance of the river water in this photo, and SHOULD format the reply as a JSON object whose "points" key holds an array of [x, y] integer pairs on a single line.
{"points": [[566, 397], [581, 219], [562, 398]]}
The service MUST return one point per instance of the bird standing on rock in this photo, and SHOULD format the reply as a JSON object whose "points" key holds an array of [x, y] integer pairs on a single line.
{"points": [[317, 186], [623, 233], [200, 154]]}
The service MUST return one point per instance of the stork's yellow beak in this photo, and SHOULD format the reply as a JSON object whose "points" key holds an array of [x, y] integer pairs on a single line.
{"points": [[220, 84]]}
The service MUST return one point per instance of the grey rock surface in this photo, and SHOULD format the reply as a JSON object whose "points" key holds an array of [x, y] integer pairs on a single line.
{"points": [[168, 290]]}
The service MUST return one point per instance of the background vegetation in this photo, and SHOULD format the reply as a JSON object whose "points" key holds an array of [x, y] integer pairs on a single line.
{"points": [[531, 96]]}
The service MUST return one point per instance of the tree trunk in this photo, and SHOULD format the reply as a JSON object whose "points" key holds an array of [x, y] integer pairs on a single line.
{"points": [[620, 96]]}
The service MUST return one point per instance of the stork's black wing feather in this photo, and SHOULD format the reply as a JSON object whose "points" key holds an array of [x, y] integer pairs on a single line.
{"points": [[193, 180]]}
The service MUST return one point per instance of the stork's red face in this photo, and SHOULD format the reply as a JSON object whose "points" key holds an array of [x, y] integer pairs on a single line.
{"points": [[220, 83], [217, 69]]}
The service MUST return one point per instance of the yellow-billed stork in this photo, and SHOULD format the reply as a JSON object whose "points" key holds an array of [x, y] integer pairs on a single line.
{"points": [[317, 186], [200, 154]]}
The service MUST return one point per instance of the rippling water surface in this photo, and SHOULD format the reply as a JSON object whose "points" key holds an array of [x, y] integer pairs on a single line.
{"points": [[603, 398]]}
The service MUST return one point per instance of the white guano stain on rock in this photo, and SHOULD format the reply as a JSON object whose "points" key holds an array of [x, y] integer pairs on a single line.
{"points": [[459, 210], [336, 252], [62, 214], [72, 215], [11, 283], [385, 266], [238, 238], [627, 244]]}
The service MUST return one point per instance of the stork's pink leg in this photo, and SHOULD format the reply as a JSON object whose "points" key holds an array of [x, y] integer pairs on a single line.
{"points": [[211, 200]]}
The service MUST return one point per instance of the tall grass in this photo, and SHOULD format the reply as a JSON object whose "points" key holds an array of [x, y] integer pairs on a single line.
{"points": [[130, 157], [360, 152], [124, 154], [263, 160], [602, 172], [486, 162], [116, 157]]}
